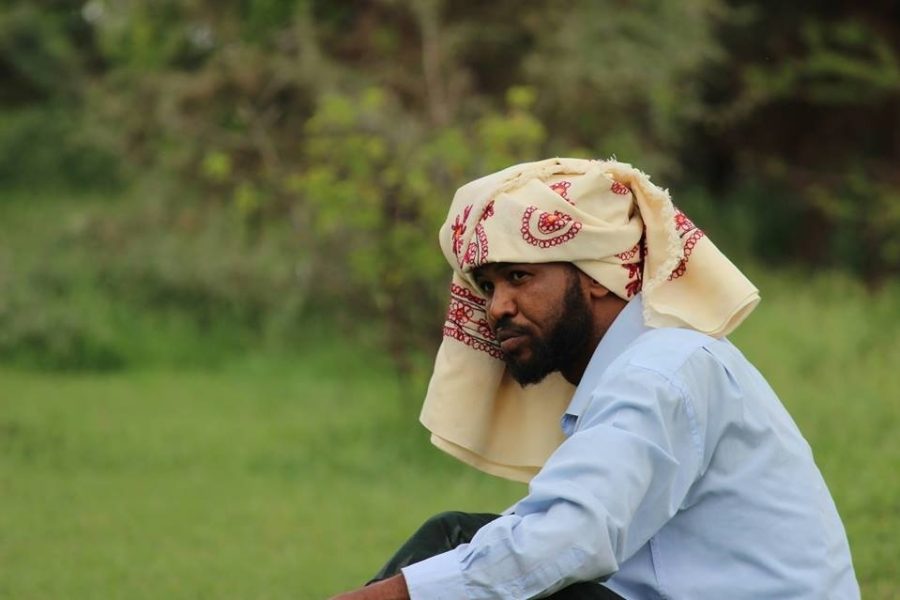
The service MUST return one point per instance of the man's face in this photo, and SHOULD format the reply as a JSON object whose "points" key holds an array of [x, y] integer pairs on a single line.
{"points": [[540, 315]]}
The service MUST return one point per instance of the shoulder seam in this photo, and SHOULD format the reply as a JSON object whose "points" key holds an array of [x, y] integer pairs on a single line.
{"points": [[687, 403]]}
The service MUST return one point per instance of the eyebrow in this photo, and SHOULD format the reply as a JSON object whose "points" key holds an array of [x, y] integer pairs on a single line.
{"points": [[506, 267], [499, 266]]}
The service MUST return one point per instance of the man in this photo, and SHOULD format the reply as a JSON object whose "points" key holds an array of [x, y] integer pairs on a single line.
{"points": [[676, 472]]}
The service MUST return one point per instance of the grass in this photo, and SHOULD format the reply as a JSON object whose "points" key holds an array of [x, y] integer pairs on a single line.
{"points": [[293, 477], [267, 480], [293, 474]]}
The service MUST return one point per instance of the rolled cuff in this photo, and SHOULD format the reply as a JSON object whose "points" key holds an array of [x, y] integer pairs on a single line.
{"points": [[436, 578]]}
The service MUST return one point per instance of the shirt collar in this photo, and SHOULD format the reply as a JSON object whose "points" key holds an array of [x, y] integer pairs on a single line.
{"points": [[625, 328]]}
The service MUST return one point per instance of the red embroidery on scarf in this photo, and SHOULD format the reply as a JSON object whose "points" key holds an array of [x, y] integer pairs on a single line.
{"points": [[635, 278], [488, 211], [629, 254], [682, 223], [562, 188], [485, 330], [635, 269], [459, 228], [548, 224], [467, 322], [477, 250], [690, 235], [619, 188], [459, 312], [633, 287]]}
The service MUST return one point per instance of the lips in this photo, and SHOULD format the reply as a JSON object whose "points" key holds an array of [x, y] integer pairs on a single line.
{"points": [[513, 344], [511, 339]]}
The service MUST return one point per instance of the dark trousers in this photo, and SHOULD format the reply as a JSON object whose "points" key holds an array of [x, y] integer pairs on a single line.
{"points": [[448, 530]]}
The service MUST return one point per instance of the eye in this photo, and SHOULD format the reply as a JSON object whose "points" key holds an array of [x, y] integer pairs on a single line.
{"points": [[518, 276], [486, 287]]}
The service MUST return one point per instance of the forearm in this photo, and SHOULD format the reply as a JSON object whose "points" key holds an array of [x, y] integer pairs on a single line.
{"points": [[389, 589]]}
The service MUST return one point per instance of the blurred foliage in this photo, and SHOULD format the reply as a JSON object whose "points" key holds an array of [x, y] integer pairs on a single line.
{"points": [[276, 156], [807, 113], [376, 191]]}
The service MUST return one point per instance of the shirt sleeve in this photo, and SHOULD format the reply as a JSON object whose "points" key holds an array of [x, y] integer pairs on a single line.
{"points": [[608, 488]]}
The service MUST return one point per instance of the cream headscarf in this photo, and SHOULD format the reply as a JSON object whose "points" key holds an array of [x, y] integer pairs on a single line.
{"points": [[608, 219]]}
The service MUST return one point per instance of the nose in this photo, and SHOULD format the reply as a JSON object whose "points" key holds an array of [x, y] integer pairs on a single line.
{"points": [[500, 305]]}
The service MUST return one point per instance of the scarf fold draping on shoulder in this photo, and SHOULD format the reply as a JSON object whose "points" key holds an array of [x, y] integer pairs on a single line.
{"points": [[608, 219]]}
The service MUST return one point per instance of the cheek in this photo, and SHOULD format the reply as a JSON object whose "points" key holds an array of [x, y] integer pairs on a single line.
{"points": [[537, 313], [545, 309]]}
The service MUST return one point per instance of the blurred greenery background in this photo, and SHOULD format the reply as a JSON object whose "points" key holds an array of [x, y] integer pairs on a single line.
{"points": [[220, 287]]}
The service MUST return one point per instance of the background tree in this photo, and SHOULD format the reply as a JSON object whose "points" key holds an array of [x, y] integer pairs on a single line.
{"points": [[275, 159]]}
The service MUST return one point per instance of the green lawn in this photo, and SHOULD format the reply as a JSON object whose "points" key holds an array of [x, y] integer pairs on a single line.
{"points": [[266, 480], [278, 477]]}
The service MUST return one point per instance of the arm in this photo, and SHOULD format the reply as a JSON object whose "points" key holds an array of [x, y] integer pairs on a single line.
{"points": [[389, 589], [606, 490]]}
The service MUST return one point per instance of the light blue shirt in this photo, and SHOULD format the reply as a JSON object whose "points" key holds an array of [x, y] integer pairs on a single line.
{"points": [[682, 477]]}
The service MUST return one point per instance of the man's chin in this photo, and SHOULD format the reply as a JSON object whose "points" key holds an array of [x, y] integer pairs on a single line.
{"points": [[526, 373]]}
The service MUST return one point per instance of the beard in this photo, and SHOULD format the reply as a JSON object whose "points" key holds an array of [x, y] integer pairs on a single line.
{"points": [[565, 343]]}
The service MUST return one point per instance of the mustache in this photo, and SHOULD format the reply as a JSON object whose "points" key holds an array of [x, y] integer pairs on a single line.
{"points": [[506, 327]]}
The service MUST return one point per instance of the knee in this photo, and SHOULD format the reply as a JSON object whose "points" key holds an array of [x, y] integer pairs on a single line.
{"points": [[455, 526], [445, 521]]}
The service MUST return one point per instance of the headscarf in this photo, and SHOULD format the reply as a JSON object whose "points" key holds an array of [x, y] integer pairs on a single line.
{"points": [[611, 222]]}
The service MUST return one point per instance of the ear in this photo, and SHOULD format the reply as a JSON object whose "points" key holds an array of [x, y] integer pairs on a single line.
{"points": [[593, 288], [596, 290]]}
